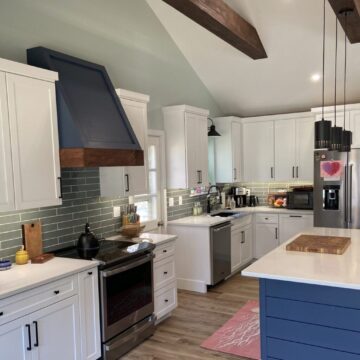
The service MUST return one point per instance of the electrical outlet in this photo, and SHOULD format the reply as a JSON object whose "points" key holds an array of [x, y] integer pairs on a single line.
{"points": [[116, 211], [180, 200], [171, 201]]}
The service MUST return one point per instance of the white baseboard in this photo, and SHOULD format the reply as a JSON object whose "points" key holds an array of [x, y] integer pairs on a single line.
{"points": [[191, 285]]}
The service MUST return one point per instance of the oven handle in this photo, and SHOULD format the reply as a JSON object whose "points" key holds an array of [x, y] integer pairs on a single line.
{"points": [[131, 265]]}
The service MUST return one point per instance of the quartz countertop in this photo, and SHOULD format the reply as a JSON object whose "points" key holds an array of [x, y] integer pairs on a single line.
{"points": [[267, 209], [312, 268], [200, 220], [156, 237], [24, 277]]}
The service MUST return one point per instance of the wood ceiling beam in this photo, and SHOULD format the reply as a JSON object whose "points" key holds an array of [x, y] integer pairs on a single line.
{"points": [[220, 19], [353, 20]]}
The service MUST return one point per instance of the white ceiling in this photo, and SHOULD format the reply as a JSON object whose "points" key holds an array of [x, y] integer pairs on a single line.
{"points": [[291, 32]]}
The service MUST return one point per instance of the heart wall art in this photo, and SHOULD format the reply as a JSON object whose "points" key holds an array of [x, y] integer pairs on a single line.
{"points": [[331, 170]]}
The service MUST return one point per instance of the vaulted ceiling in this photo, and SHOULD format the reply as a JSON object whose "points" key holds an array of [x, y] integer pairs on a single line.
{"points": [[291, 32]]}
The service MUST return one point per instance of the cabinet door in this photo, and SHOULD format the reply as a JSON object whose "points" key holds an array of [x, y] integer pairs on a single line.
{"points": [[192, 150], [34, 141], [15, 340], [285, 149], [258, 140], [305, 149], [291, 225], [236, 238], [137, 115], [7, 200], [57, 331], [246, 245], [89, 315], [236, 150], [355, 128], [202, 157], [112, 181], [266, 239]]}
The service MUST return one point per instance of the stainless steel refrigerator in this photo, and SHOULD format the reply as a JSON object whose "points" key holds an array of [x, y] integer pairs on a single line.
{"points": [[337, 195]]}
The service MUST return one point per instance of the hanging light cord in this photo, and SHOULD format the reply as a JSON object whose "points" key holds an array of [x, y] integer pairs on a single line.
{"points": [[323, 65], [345, 68], [336, 46]]}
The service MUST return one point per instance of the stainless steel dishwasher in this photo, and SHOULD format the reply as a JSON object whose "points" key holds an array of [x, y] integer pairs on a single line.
{"points": [[220, 252]]}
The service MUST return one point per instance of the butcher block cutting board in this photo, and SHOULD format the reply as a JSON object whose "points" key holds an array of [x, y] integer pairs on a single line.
{"points": [[32, 237], [320, 244]]}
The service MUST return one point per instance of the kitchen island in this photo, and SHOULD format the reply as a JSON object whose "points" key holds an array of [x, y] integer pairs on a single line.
{"points": [[310, 302]]}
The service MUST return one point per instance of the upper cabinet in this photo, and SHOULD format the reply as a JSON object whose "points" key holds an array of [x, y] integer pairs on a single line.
{"points": [[30, 167], [351, 119], [228, 150], [130, 180], [279, 147], [258, 150], [186, 130]]}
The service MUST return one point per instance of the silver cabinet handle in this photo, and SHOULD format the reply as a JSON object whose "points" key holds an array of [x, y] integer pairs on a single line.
{"points": [[234, 171], [201, 177], [198, 176], [350, 194], [293, 171], [295, 216], [271, 172], [297, 172], [127, 183], [243, 237], [276, 233]]}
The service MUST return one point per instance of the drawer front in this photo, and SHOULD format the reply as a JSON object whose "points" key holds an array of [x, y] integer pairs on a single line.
{"points": [[239, 223], [267, 218], [164, 272], [31, 300], [163, 251], [165, 300]]}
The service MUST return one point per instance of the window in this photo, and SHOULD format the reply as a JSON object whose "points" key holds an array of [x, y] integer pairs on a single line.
{"points": [[149, 205]]}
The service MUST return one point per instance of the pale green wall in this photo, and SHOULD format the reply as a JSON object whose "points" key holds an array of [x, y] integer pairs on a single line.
{"points": [[123, 35]]}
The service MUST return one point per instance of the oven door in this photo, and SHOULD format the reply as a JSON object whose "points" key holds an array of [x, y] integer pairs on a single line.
{"points": [[126, 295]]}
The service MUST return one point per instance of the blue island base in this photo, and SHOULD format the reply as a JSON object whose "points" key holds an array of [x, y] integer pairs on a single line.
{"points": [[308, 322]]}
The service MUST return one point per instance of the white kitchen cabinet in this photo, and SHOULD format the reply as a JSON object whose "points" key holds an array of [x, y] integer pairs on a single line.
{"points": [[57, 320], [228, 150], [355, 128], [236, 239], [266, 239], [293, 224], [7, 196], [89, 314], [30, 166], [130, 180], [246, 245], [56, 331], [165, 289], [186, 130], [14, 340], [258, 150]]}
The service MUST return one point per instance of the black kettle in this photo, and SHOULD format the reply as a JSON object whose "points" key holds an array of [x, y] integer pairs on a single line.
{"points": [[88, 244]]}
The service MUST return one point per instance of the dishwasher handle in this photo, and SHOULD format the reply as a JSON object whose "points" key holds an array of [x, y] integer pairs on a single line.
{"points": [[217, 229]]}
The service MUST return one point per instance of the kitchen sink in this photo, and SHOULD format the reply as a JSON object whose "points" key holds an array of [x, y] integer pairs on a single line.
{"points": [[225, 214]]}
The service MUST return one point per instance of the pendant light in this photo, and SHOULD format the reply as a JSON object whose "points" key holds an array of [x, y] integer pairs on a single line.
{"points": [[336, 131], [346, 140], [322, 127], [212, 130]]}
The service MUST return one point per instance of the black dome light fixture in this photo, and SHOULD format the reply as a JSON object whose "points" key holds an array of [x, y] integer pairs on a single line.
{"points": [[212, 130], [346, 140], [322, 127], [336, 131]]}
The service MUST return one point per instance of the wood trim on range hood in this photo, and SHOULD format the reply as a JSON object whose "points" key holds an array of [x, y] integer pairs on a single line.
{"points": [[84, 157]]}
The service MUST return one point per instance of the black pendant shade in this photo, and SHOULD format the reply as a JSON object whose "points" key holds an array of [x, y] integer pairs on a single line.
{"points": [[212, 131], [336, 138], [346, 140], [322, 134]]}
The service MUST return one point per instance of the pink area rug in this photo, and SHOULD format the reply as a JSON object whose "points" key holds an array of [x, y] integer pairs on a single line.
{"points": [[240, 335]]}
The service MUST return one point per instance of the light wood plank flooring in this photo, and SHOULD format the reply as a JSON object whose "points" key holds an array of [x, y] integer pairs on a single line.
{"points": [[196, 318]]}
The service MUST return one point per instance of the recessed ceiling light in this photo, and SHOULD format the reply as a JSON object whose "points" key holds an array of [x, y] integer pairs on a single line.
{"points": [[315, 77]]}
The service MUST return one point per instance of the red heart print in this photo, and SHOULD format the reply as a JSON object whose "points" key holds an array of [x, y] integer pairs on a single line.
{"points": [[331, 167]]}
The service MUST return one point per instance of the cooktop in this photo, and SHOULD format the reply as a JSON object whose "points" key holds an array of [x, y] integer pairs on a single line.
{"points": [[110, 251]]}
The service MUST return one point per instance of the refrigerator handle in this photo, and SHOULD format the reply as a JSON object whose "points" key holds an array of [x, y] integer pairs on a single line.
{"points": [[350, 194], [346, 195]]}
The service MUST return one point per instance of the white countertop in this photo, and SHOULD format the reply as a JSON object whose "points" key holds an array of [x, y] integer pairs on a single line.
{"points": [[267, 209], [24, 277], [200, 220], [312, 268], [156, 237]]}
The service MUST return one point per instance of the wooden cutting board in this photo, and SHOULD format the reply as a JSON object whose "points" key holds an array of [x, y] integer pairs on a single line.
{"points": [[320, 244], [32, 237]]}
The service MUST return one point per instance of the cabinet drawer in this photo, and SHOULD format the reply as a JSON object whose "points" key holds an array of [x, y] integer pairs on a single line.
{"points": [[165, 250], [267, 218], [165, 300], [31, 300], [164, 272]]}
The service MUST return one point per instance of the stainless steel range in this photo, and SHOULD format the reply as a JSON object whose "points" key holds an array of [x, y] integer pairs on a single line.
{"points": [[126, 294]]}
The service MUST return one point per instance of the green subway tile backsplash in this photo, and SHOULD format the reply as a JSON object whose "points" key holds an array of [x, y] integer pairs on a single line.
{"points": [[62, 225]]}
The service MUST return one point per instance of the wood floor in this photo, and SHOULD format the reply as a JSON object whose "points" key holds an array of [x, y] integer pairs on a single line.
{"points": [[196, 318]]}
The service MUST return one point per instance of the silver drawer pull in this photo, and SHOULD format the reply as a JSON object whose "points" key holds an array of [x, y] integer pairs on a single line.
{"points": [[165, 272], [166, 300]]}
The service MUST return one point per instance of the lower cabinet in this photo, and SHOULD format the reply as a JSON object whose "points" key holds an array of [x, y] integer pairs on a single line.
{"points": [[56, 321], [247, 245], [290, 225], [266, 239], [165, 289]]}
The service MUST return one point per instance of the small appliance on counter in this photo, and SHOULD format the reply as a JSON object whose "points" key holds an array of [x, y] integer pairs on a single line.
{"points": [[253, 201], [240, 196], [300, 197], [277, 200]]}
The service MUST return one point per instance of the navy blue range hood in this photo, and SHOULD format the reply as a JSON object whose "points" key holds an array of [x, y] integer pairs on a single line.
{"points": [[93, 127]]}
